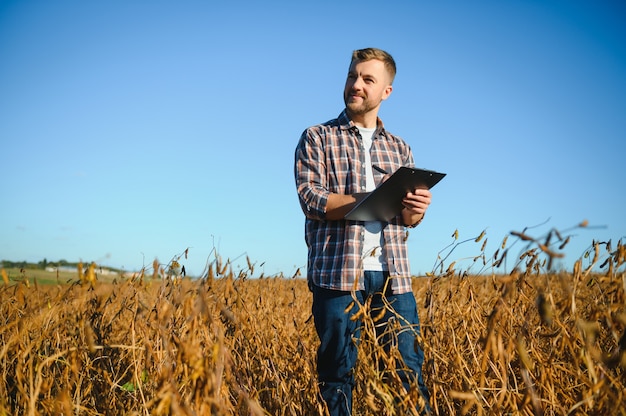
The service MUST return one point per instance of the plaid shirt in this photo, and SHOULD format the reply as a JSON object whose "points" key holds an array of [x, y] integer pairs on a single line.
{"points": [[330, 158]]}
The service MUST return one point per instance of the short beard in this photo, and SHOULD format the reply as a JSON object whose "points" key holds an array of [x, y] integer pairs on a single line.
{"points": [[359, 109]]}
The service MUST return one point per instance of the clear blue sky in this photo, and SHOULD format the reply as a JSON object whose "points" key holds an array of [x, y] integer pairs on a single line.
{"points": [[131, 130]]}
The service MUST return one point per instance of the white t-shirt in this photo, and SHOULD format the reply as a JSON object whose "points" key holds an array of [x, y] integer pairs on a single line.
{"points": [[372, 245]]}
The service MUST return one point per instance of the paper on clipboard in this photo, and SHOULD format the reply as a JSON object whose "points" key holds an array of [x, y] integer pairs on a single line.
{"points": [[385, 202]]}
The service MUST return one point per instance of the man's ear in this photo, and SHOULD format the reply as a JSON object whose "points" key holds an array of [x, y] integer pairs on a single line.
{"points": [[387, 92]]}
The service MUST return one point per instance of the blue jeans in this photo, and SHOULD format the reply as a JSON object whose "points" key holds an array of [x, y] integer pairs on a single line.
{"points": [[337, 353]]}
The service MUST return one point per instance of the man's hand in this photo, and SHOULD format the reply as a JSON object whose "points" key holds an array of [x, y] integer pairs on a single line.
{"points": [[415, 205]]}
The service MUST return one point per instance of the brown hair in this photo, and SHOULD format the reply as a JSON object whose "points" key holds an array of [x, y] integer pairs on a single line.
{"points": [[368, 54]]}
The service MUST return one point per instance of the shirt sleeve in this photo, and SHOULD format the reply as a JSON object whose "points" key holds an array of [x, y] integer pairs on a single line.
{"points": [[310, 175], [409, 160]]}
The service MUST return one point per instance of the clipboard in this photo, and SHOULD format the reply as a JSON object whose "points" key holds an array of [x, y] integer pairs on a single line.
{"points": [[385, 202]]}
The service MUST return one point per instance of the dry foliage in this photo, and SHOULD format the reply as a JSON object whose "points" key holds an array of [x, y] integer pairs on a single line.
{"points": [[521, 343]]}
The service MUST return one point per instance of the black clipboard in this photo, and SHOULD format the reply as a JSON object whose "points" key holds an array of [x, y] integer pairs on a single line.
{"points": [[385, 202]]}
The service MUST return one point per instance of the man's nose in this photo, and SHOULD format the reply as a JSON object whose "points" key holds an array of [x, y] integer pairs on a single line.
{"points": [[357, 84]]}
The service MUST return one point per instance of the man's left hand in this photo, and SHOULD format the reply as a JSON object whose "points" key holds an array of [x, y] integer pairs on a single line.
{"points": [[417, 202]]}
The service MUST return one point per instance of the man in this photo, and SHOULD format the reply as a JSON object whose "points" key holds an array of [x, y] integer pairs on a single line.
{"points": [[336, 164]]}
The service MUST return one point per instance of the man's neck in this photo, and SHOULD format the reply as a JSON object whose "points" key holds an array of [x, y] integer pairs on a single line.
{"points": [[368, 121]]}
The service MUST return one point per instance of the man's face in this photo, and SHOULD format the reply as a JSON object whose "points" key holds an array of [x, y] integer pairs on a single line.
{"points": [[367, 85]]}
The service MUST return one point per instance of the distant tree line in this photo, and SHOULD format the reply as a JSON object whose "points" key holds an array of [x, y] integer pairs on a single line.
{"points": [[43, 264]]}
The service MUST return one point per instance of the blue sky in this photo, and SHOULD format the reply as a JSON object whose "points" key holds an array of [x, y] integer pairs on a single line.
{"points": [[132, 130]]}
